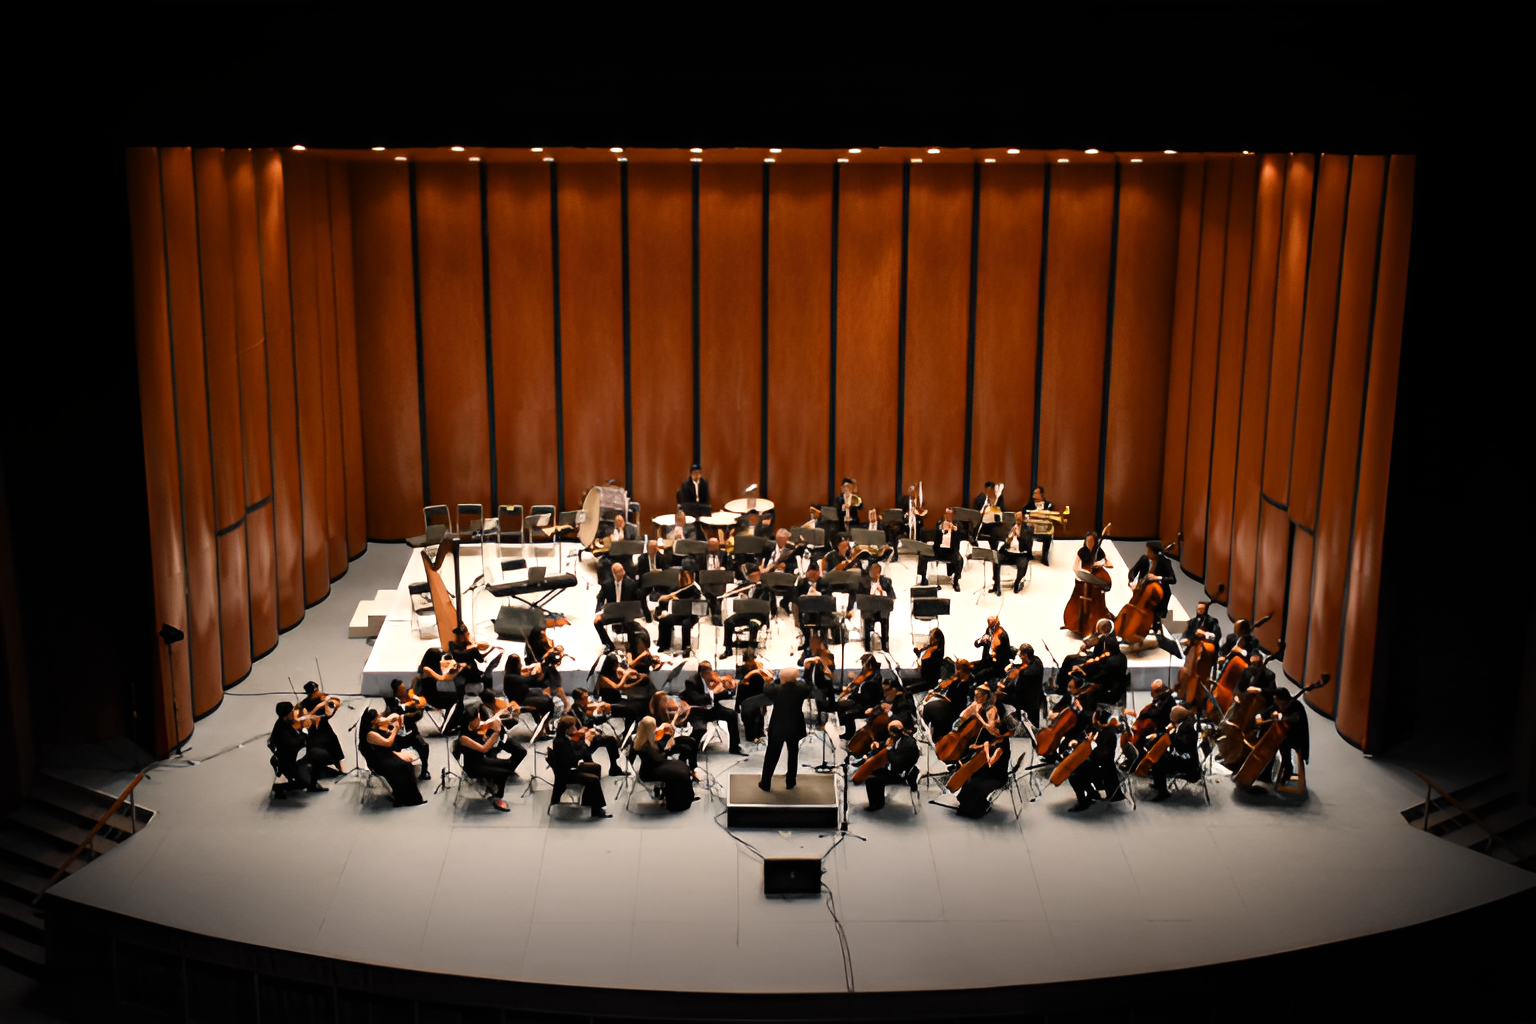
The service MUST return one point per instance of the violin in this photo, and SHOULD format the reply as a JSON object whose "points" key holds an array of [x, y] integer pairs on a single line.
{"points": [[1086, 605]]}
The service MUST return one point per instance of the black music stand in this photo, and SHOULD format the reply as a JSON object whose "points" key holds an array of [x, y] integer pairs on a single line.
{"points": [[750, 544], [814, 608], [874, 608], [908, 546], [929, 608], [846, 581], [690, 549], [514, 623], [751, 607], [623, 615], [989, 557], [971, 518], [781, 584], [808, 536]]}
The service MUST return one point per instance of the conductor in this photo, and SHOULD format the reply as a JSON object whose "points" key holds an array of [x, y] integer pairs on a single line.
{"points": [[786, 728]]}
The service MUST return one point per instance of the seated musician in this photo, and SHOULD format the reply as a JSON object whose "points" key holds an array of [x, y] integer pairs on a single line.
{"points": [[679, 612], [506, 713], [1258, 677], [654, 560], [1156, 565], [1024, 685], [474, 666], [548, 656], [682, 529], [946, 700], [752, 679], [1096, 776], [750, 621], [408, 708], [900, 765], [1013, 549], [996, 651], [1151, 721], [525, 687], [659, 763], [321, 735], [754, 524], [587, 737], [437, 681], [859, 696], [990, 504], [297, 760], [569, 767], [930, 660], [877, 585], [478, 744], [714, 559], [783, 556], [1098, 647], [379, 735], [694, 490], [911, 515], [898, 703], [1182, 758], [1202, 627], [840, 558], [668, 710], [847, 505], [892, 534], [810, 586], [1044, 530], [629, 689], [617, 588], [946, 549], [997, 725], [1242, 639], [621, 531], [702, 692], [816, 671]]}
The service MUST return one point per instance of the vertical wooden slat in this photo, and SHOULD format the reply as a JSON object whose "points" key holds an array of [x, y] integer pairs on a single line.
{"points": [[1181, 350], [1298, 604], [335, 479], [938, 301], [1229, 377], [1007, 319], [868, 307], [1290, 297], [1357, 682], [1204, 358], [799, 336], [1076, 315], [386, 349], [1250, 441], [1269, 593], [353, 489], [730, 326], [1138, 379], [152, 339]]}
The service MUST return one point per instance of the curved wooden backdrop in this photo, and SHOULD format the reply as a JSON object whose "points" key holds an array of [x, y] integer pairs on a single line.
{"points": [[1205, 347]]}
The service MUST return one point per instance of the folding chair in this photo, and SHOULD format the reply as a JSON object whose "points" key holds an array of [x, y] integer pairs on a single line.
{"points": [[539, 527], [423, 614], [1012, 786], [574, 791]]}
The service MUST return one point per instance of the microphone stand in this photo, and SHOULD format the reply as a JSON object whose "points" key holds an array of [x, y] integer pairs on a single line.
{"points": [[843, 831]]}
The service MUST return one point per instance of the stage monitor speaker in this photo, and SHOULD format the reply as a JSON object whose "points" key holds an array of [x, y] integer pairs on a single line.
{"points": [[791, 876]]}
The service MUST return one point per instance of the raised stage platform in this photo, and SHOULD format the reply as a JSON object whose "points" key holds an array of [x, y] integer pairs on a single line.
{"points": [[927, 901], [1033, 615]]}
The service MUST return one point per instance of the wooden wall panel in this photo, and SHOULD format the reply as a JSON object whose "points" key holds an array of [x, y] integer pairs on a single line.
{"points": [[938, 314], [453, 332], [1255, 398], [335, 480], [522, 332], [1180, 350], [1229, 376], [304, 179], [730, 326], [1204, 357], [256, 445], [1270, 593], [353, 493], [1007, 325], [1076, 309], [1138, 377], [386, 349], [799, 336], [868, 308], [1346, 402], [661, 332], [283, 422], [592, 328], [1317, 339], [1358, 689], [1298, 604], [221, 379], [197, 504], [1290, 298], [152, 339]]}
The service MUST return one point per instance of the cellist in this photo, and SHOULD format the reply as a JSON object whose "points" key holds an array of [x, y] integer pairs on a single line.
{"points": [[1181, 758], [1155, 565], [1203, 626], [1151, 721], [1098, 772], [1098, 647], [900, 765], [997, 725]]}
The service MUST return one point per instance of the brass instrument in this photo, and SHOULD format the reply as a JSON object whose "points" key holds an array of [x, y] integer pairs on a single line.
{"points": [[1047, 517]]}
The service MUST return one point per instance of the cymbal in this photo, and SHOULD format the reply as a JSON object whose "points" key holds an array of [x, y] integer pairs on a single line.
{"points": [[741, 506]]}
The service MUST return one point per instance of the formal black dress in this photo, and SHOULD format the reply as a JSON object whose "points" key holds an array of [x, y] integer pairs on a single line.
{"points": [[570, 768], [674, 775], [400, 775]]}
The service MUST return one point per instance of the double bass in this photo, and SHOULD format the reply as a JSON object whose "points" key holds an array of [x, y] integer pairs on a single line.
{"points": [[1134, 620], [1236, 664], [1086, 606]]}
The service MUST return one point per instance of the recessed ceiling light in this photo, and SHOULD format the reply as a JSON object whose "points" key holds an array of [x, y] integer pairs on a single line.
{"points": [[917, 159], [401, 158], [1135, 159], [855, 151], [695, 149], [1170, 152], [616, 149], [457, 149], [1062, 160], [990, 160], [623, 159], [934, 150], [1091, 152], [697, 159], [1013, 152], [474, 159], [767, 159], [775, 151], [549, 159], [378, 149], [1247, 152], [842, 159], [298, 149], [538, 149]]}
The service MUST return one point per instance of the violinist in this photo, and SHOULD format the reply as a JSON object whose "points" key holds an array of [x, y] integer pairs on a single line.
{"points": [[679, 613], [470, 656], [702, 692], [860, 696], [672, 714], [900, 766], [654, 748], [379, 751], [626, 685], [1025, 684], [438, 678], [523, 687], [817, 670], [570, 768], [1182, 758], [408, 708], [478, 743], [1044, 529], [1091, 555], [1014, 550], [619, 587], [1202, 627], [505, 713], [588, 738], [549, 656], [1152, 720], [946, 549], [1157, 566], [930, 659], [997, 725], [878, 585], [321, 736], [1096, 776], [946, 700], [297, 760], [996, 651], [753, 678]]}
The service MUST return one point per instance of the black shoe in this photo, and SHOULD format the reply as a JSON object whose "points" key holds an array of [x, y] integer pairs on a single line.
{"points": [[501, 805], [317, 788], [1016, 587], [956, 585], [600, 814], [766, 787], [789, 783], [1081, 805], [614, 769], [998, 591], [737, 751], [1159, 795], [425, 776], [877, 807], [1117, 797]]}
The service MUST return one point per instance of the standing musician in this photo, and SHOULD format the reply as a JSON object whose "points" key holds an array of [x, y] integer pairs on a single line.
{"points": [[878, 585], [847, 504], [946, 549], [860, 696], [404, 705], [996, 651], [786, 728], [900, 765], [1097, 773], [1044, 529], [1154, 565], [695, 490], [1181, 759], [702, 692], [1289, 709], [1013, 549], [286, 740], [911, 514], [570, 768], [617, 588], [946, 700], [990, 504], [380, 753], [679, 614], [1024, 687], [930, 659], [997, 725], [1152, 720], [321, 735], [1202, 627]]}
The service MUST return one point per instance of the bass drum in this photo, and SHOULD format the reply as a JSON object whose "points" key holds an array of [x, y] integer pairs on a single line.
{"points": [[598, 510]]}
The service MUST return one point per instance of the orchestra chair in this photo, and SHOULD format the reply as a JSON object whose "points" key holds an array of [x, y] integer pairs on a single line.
{"points": [[1031, 772], [574, 791], [538, 526], [1011, 785], [480, 786], [926, 609], [423, 615], [436, 515], [1125, 782], [469, 523], [509, 522]]}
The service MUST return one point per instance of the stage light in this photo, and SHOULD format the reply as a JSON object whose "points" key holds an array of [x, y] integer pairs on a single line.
{"points": [[1013, 152], [401, 158], [917, 159], [378, 149], [1170, 152], [1062, 160], [549, 159], [842, 159], [768, 160], [697, 159], [537, 149], [695, 149], [616, 149], [935, 150], [855, 152], [474, 159], [457, 149], [298, 149], [775, 151], [1135, 159], [1091, 152], [990, 160]]}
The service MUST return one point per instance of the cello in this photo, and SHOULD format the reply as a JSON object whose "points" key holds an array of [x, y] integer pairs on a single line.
{"points": [[952, 746], [1232, 671], [984, 757], [1070, 763], [1134, 620], [1086, 605], [879, 759]]}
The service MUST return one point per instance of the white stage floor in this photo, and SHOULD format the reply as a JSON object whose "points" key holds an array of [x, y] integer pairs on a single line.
{"points": [[929, 901], [1033, 615]]}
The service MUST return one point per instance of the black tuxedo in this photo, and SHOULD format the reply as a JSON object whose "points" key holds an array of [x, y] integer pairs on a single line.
{"points": [[1043, 538], [901, 766], [629, 591], [786, 729], [688, 494], [1163, 570], [886, 590]]}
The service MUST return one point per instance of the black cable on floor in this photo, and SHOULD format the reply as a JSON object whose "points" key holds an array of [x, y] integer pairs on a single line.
{"points": [[842, 937]]}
